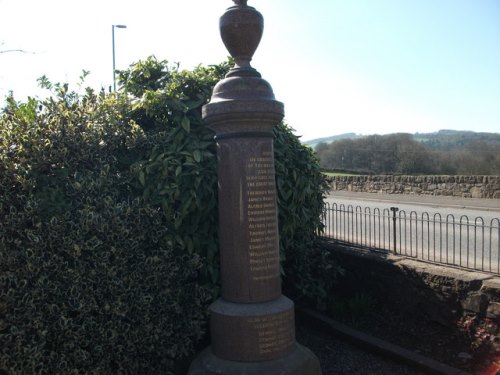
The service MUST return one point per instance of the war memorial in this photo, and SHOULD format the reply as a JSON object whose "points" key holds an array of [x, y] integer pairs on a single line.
{"points": [[252, 325]]}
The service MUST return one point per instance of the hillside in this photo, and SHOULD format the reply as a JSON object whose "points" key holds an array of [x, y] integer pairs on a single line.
{"points": [[314, 142], [443, 152], [441, 140]]}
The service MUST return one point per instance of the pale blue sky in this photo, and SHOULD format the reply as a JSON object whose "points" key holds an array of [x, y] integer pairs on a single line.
{"points": [[363, 66]]}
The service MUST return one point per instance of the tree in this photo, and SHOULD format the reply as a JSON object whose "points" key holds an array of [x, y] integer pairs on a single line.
{"points": [[387, 154], [12, 50]]}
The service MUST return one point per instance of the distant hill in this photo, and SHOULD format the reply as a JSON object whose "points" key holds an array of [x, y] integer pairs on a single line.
{"points": [[441, 140], [313, 142], [449, 139]]}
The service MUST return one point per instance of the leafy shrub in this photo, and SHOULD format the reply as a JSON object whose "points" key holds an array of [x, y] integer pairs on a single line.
{"points": [[179, 172], [309, 271], [89, 282], [301, 188]]}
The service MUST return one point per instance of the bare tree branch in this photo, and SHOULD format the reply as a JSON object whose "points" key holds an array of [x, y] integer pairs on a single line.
{"points": [[14, 50]]}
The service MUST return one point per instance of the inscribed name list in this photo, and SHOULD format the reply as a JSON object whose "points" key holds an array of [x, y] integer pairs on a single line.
{"points": [[262, 216]]}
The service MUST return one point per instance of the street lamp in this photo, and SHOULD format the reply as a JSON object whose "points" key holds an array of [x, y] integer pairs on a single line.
{"points": [[113, 41]]}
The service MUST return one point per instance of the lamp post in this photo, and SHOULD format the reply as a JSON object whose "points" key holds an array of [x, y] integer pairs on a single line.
{"points": [[113, 41]]}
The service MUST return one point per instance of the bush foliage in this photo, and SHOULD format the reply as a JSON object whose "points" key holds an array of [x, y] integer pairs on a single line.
{"points": [[89, 282], [108, 223], [310, 272]]}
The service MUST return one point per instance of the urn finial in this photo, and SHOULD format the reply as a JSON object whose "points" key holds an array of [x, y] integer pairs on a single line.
{"points": [[241, 29]]}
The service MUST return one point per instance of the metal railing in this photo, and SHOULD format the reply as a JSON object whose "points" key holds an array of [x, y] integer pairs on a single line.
{"points": [[445, 239]]}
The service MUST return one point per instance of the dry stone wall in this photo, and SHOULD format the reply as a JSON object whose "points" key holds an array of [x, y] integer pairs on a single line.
{"points": [[457, 186]]}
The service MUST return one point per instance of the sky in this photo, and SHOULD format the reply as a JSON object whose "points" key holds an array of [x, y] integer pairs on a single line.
{"points": [[340, 66]]}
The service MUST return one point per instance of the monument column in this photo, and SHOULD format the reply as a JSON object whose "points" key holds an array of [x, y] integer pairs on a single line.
{"points": [[252, 325]]}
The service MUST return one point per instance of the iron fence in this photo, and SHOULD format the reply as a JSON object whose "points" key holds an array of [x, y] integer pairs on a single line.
{"points": [[446, 239]]}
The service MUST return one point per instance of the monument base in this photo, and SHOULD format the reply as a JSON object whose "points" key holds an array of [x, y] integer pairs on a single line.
{"points": [[300, 361]]}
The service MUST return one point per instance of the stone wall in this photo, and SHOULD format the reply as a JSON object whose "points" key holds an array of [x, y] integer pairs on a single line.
{"points": [[457, 186], [429, 291]]}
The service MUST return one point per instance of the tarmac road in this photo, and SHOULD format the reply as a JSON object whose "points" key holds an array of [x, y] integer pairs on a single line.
{"points": [[492, 205], [459, 231]]}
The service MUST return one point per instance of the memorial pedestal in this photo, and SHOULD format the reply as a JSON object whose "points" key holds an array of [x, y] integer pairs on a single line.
{"points": [[252, 332], [301, 361]]}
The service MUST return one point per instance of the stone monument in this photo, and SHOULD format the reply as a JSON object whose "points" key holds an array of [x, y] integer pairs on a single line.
{"points": [[252, 325]]}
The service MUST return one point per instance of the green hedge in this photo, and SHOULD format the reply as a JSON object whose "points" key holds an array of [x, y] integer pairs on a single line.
{"points": [[89, 283], [309, 272], [108, 223]]}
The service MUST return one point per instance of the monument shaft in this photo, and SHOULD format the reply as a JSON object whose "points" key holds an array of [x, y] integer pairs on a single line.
{"points": [[250, 266]]}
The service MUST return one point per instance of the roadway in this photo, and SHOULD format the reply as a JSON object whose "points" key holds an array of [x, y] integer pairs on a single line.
{"points": [[429, 201], [459, 231]]}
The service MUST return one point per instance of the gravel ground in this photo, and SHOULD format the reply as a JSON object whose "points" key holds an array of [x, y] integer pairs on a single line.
{"points": [[340, 357]]}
